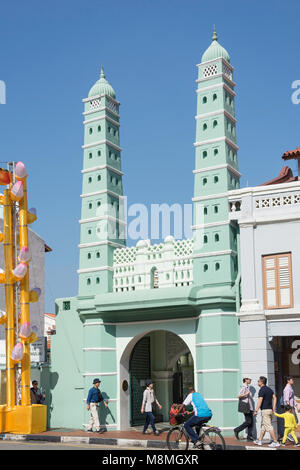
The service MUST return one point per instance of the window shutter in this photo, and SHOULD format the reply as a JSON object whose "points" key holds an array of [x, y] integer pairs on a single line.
{"points": [[277, 275]]}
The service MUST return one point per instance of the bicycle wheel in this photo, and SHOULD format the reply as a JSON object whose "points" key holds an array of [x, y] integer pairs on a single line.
{"points": [[212, 439], [177, 439]]}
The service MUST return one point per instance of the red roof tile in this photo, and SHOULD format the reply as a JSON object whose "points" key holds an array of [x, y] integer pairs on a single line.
{"points": [[285, 176], [292, 154]]}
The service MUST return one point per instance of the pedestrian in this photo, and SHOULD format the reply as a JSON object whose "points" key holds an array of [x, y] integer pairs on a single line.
{"points": [[94, 398], [289, 396], [246, 406], [36, 396], [289, 424], [267, 404], [149, 399], [202, 414]]}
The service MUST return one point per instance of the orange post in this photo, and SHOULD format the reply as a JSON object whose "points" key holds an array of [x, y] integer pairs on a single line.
{"points": [[9, 299], [24, 298]]}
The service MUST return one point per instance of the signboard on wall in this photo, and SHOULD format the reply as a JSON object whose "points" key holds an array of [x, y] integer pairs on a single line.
{"points": [[37, 351]]}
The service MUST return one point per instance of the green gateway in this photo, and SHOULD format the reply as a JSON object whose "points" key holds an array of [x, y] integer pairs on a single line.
{"points": [[165, 311]]}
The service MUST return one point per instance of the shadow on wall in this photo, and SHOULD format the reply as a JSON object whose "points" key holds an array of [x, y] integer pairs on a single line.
{"points": [[53, 379], [104, 412]]}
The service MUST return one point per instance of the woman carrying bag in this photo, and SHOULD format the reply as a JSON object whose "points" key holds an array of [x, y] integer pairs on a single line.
{"points": [[246, 407]]}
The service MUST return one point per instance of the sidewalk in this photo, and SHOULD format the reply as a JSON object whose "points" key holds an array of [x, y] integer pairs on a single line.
{"points": [[130, 438]]}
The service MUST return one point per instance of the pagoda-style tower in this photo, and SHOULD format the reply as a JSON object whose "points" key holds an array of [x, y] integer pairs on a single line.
{"points": [[102, 229], [216, 169]]}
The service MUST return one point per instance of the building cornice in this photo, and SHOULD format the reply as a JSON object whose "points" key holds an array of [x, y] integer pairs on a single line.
{"points": [[88, 121], [100, 142], [102, 217], [103, 191], [263, 190], [218, 139], [213, 60], [211, 196], [106, 242], [215, 113], [218, 85], [92, 270], [102, 167], [95, 97], [217, 75], [211, 224], [218, 167], [215, 253], [104, 108]]}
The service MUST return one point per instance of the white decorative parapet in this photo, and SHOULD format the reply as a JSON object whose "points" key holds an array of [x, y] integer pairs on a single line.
{"points": [[146, 266]]}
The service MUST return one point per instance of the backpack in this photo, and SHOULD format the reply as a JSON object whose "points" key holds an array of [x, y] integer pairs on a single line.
{"points": [[174, 416]]}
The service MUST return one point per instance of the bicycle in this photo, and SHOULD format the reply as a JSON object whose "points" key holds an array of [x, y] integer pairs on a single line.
{"points": [[210, 437]]}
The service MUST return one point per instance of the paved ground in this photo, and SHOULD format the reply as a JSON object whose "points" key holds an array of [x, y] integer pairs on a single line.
{"points": [[132, 438], [15, 445]]}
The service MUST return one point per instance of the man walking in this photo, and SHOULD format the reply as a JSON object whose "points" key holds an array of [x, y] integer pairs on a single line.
{"points": [[36, 396], [246, 407], [93, 400], [267, 403]]}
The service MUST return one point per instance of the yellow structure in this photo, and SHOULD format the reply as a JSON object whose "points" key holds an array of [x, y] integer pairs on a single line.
{"points": [[17, 415]]}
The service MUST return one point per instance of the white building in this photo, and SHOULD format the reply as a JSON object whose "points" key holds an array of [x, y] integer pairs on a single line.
{"points": [[269, 220]]}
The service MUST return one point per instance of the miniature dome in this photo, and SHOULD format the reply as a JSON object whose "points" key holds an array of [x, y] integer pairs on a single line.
{"points": [[215, 50], [169, 239], [142, 244], [102, 87]]}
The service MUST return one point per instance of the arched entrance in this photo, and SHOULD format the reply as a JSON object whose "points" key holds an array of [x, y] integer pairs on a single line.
{"points": [[165, 358]]}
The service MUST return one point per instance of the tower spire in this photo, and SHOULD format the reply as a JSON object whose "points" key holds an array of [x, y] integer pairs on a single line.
{"points": [[102, 74], [214, 36]]}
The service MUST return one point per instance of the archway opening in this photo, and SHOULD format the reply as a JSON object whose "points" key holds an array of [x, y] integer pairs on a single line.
{"points": [[165, 358]]}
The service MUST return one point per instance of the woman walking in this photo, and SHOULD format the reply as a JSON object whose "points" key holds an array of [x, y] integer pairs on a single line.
{"points": [[246, 407], [149, 399]]}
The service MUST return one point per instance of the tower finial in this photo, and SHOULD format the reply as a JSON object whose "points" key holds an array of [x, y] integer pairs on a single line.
{"points": [[214, 36], [102, 74]]}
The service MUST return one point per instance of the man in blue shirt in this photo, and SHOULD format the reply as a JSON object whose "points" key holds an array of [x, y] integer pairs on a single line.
{"points": [[202, 414], [93, 400]]}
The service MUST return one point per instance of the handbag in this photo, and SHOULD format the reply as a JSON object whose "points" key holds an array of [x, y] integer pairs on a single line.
{"points": [[243, 407]]}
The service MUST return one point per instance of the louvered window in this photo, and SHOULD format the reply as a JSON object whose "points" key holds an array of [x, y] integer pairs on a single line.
{"points": [[277, 279]]}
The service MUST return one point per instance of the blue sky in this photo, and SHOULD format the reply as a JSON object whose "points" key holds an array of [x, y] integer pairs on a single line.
{"points": [[50, 56]]}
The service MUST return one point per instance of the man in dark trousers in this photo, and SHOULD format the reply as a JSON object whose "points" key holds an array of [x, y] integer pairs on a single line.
{"points": [[36, 396], [94, 398]]}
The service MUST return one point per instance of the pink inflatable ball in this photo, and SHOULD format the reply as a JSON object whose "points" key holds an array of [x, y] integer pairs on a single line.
{"points": [[25, 330], [17, 191], [24, 255], [20, 271], [17, 352], [20, 170]]}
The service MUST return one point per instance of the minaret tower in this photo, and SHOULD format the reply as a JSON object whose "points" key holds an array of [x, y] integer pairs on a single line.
{"points": [[216, 169], [102, 222]]}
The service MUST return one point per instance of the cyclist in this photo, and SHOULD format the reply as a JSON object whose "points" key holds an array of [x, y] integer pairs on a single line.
{"points": [[202, 414]]}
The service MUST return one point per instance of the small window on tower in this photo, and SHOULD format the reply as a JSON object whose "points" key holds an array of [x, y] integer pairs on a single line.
{"points": [[88, 282], [215, 123], [216, 209], [217, 266], [216, 151], [90, 155], [98, 203], [90, 179], [97, 280], [205, 267], [205, 239], [205, 210], [90, 205], [99, 128], [217, 237], [216, 179], [204, 181], [214, 96], [89, 256], [99, 153], [204, 100], [204, 154], [99, 177], [204, 126], [90, 130]]}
